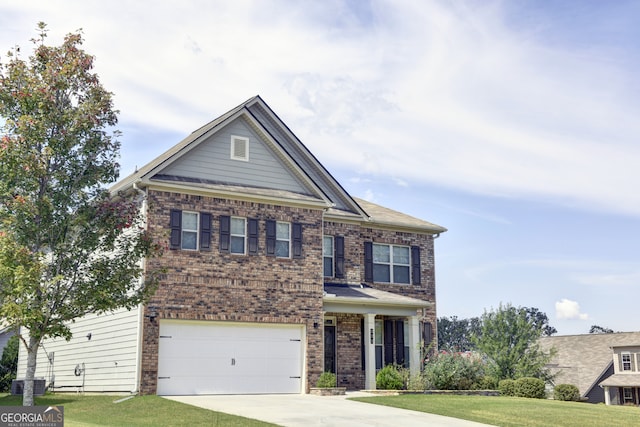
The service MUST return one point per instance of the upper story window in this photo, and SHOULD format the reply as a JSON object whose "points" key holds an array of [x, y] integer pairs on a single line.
{"points": [[327, 255], [238, 235], [333, 256], [626, 362], [387, 263], [190, 230], [284, 239], [239, 148], [391, 264]]}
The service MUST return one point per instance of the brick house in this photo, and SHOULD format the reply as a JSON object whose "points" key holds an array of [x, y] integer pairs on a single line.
{"points": [[274, 274]]}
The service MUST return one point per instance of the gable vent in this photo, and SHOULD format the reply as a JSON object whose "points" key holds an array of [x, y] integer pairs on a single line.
{"points": [[239, 148]]}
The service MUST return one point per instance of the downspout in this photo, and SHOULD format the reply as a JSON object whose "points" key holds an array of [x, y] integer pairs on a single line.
{"points": [[138, 369]]}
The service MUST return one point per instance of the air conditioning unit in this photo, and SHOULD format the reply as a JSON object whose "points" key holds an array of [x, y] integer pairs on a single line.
{"points": [[17, 387]]}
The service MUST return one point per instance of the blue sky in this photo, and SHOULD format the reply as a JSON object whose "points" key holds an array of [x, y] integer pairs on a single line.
{"points": [[512, 123]]}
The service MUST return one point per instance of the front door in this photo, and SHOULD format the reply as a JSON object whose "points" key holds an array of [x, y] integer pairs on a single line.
{"points": [[330, 345]]}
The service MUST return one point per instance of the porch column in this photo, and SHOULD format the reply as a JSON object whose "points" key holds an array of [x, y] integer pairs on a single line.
{"points": [[607, 396], [414, 345], [369, 351]]}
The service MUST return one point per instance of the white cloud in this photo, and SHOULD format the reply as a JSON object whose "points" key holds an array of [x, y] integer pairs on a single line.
{"points": [[567, 309], [451, 94]]}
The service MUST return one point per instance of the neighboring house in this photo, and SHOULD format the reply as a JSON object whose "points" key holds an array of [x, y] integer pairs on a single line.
{"points": [[274, 274], [6, 333], [586, 362], [623, 387]]}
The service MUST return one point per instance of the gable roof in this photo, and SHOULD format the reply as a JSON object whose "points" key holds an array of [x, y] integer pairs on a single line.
{"points": [[314, 186], [318, 182], [581, 359]]}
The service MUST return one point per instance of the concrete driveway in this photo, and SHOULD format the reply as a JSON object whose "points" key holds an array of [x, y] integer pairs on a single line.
{"points": [[304, 410]]}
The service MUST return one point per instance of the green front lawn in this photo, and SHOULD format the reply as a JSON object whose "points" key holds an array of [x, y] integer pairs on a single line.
{"points": [[100, 410], [514, 411]]}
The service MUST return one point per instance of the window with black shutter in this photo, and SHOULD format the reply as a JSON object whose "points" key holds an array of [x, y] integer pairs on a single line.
{"points": [[270, 226], [296, 241], [175, 223], [252, 231], [225, 233], [205, 231], [339, 256], [415, 265]]}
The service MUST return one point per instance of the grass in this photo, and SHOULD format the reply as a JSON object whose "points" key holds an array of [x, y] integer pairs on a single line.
{"points": [[100, 410], [513, 411]]}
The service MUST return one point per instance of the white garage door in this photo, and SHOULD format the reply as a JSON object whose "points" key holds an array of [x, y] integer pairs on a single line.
{"points": [[223, 358]]}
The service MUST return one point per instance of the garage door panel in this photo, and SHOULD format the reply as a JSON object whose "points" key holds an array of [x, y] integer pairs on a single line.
{"points": [[218, 358]]}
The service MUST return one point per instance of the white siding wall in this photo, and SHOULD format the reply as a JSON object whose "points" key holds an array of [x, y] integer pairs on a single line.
{"points": [[110, 357], [211, 160]]}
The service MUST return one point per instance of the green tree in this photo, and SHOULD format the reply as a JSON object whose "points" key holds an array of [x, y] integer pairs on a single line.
{"points": [[509, 339], [9, 363], [455, 334], [67, 247], [595, 329]]}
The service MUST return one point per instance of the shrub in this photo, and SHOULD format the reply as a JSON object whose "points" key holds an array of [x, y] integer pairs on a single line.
{"points": [[530, 387], [9, 363], [454, 371], [488, 383], [389, 378], [327, 380], [507, 387], [566, 392]]}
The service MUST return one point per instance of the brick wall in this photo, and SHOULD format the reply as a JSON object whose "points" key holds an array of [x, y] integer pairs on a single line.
{"points": [[354, 238], [209, 285]]}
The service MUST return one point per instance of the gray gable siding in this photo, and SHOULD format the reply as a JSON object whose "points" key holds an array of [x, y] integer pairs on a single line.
{"points": [[211, 161], [300, 157]]}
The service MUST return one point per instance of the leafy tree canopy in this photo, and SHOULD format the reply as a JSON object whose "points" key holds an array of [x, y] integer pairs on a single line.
{"points": [[595, 329], [67, 246], [509, 339]]}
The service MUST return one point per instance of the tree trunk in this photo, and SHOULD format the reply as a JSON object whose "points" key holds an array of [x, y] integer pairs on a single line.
{"points": [[32, 354]]}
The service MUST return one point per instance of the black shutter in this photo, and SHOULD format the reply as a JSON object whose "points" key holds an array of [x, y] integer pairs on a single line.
{"points": [[399, 342], [252, 231], [205, 231], [415, 265], [175, 222], [339, 256], [427, 333], [225, 233], [271, 237], [362, 343], [388, 343], [296, 239], [368, 262]]}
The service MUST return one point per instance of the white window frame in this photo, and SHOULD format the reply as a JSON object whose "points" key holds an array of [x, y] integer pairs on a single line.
{"points": [[329, 254], [391, 263], [245, 140], [627, 395], [629, 362], [280, 239], [184, 230], [236, 235]]}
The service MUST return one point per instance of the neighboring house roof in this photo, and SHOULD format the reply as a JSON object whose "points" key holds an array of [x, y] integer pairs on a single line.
{"points": [[581, 359], [344, 298], [315, 186], [622, 380]]}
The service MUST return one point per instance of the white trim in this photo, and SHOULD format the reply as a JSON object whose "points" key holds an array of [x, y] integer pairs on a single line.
{"points": [[244, 236], [189, 230]]}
